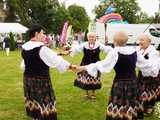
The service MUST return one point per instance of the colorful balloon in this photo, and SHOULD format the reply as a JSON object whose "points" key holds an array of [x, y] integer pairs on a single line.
{"points": [[110, 9]]}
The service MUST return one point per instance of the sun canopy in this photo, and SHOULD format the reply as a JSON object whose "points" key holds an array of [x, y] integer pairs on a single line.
{"points": [[12, 27]]}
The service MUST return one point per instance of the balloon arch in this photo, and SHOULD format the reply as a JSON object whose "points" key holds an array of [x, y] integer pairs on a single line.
{"points": [[109, 18]]}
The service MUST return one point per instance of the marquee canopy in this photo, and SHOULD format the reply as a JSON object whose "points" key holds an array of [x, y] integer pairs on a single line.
{"points": [[12, 27]]}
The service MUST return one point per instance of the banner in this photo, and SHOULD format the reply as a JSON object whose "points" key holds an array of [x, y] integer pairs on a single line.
{"points": [[64, 33]]}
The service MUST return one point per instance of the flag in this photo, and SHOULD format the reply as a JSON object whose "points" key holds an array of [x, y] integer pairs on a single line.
{"points": [[64, 33]]}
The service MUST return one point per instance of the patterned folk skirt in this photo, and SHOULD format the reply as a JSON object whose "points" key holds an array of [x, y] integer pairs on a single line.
{"points": [[157, 79], [39, 97], [123, 101], [87, 82], [147, 89]]}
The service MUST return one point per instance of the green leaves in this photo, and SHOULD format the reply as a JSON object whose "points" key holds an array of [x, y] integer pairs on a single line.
{"points": [[48, 13], [80, 19]]}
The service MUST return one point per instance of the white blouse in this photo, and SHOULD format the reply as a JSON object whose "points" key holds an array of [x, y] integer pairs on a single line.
{"points": [[48, 56], [151, 51], [79, 48], [147, 67], [153, 54]]}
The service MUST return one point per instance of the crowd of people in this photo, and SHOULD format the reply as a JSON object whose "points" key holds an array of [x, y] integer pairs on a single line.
{"points": [[131, 95]]}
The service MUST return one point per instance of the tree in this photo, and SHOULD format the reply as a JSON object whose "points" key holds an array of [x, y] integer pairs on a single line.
{"points": [[142, 17], [80, 19], [40, 12], [43, 12], [10, 15], [17, 8], [48, 13], [127, 8], [12, 41], [62, 15]]}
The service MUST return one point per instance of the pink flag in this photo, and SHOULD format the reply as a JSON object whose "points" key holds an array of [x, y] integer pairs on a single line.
{"points": [[64, 33]]}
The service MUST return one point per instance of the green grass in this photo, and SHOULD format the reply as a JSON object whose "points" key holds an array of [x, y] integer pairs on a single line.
{"points": [[70, 102]]}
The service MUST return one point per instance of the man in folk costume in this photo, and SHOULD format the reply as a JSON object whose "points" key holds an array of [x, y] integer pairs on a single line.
{"points": [[40, 101], [124, 103]]}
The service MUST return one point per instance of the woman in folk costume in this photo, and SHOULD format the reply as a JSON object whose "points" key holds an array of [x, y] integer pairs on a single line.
{"points": [[37, 58], [147, 85], [91, 54], [124, 101]]}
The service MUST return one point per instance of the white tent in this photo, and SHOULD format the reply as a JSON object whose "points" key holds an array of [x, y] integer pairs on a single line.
{"points": [[133, 30], [12, 27]]}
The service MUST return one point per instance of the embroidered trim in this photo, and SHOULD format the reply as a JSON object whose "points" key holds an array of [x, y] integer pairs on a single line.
{"points": [[123, 111], [44, 110]]}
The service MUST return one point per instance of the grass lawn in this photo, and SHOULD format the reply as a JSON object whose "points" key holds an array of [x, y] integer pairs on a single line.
{"points": [[70, 102]]}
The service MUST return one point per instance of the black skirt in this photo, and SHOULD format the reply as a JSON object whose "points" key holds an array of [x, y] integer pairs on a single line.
{"points": [[124, 101], [39, 97], [87, 82]]}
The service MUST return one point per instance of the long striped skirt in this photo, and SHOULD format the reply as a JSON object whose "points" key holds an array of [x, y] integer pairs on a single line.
{"points": [[87, 82], [39, 97], [124, 101]]}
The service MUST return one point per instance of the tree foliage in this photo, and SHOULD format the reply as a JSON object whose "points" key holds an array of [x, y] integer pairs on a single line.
{"points": [[11, 17], [40, 12], [142, 17], [19, 8], [80, 19], [48, 13], [62, 15], [43, 12], [12, 41]]}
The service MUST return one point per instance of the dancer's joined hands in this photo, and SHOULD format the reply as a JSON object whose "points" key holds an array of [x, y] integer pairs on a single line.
{"points": [[76, 68]]}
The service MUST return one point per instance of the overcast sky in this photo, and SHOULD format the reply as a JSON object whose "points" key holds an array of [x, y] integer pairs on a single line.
{"points": [[149, 6]]}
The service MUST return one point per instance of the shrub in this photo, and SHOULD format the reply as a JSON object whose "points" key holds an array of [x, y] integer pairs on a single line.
{"points": [[12, 41]]}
